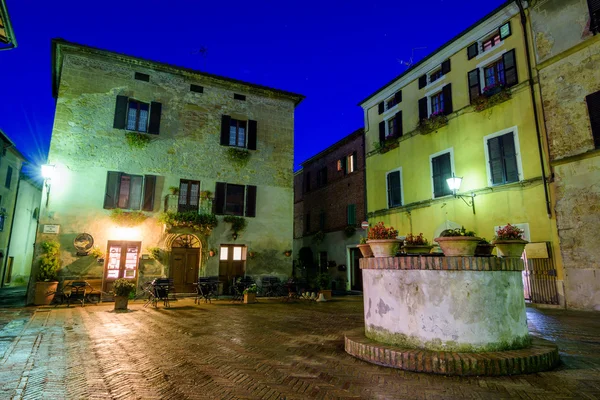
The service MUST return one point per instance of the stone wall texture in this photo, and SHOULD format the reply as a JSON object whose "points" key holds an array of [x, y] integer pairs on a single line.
{"points": [[85, 146]]}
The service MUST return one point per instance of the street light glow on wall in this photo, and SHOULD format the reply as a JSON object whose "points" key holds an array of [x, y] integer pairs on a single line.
{"points": [[454, 184], [47, 174]]}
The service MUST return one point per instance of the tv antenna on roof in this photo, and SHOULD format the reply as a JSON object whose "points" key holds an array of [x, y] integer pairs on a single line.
{"points": [[410, 61]]}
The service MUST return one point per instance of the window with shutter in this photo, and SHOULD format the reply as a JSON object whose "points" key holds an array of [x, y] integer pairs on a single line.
{"points": [[474, 84], [234, 199], [594, 6], [8, 180], [149, 191], [505, 31], [437, 103], [250, 201], [127, 192], [231, 199], [351, 163], [446, 67], [422, 81], [382, 132], [447, 91], [441, 168], [593, 105], [137, 116], [434, 76], [510, 68], [423, 109], [189, 195], [351, 219], [381, 108], [394, 192], [237, 133], [502, 158], [155, 112], [472, 51]]}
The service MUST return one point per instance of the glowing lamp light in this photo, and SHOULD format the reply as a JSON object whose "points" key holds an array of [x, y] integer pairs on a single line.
{"points": [[47, 171], [121, 233], [454, 183]]}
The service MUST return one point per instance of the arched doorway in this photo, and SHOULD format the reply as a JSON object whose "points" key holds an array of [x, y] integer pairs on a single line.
{"points": [[185, 262]]}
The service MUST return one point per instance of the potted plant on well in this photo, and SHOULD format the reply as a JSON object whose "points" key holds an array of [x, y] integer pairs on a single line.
{"points": [[484, 248], [416, 244], [383, 240], [365, 248], [458, 242], [509, 241], [250, 294], [122, 288], [47, 282], [324, 283]]}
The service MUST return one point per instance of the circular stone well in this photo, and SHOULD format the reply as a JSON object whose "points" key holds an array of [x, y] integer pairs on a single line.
{"points": [[459, 305]]}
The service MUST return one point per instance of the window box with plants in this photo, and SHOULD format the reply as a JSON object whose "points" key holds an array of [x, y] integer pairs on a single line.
{"points": [[492, 95], [250, 294], [324, 283], [484, 248], [509, 241], [435, 121], [47, 276], [123, 289], [416, 244], [383, 240], [458, 242], [365, 248]]}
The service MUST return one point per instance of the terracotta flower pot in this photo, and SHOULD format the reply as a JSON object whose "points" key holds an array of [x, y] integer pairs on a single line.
{"points": [[458, 246], [326, 293], [384, 247], [417, 248], [510, 248], [44, 293], [249, 298], [365, 249], [484, 250], [121, 302]]}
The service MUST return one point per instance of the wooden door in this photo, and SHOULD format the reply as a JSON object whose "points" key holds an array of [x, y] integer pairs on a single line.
{"points": [[185, 263], [232, 265], [121, 262]]}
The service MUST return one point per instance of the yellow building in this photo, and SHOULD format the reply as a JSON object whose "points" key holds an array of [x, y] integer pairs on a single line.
{"points": [[465, 110]]}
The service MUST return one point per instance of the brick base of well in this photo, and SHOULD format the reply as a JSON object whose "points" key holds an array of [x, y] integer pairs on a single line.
{"points": [[542, 355]]}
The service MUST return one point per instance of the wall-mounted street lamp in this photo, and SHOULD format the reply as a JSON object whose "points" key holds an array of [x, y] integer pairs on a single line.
{"points": [[454, 185], [47, 174]]}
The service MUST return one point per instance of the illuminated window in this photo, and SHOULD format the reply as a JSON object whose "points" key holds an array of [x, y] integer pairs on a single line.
{"points": [[224, 255], [237, 253], [237, 133], [437, 103], [137, 116], [350, 163], [494, 74]]}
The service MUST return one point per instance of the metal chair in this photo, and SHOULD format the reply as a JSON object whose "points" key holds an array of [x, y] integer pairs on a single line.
{"points": [[207, 288], [160, 289]]}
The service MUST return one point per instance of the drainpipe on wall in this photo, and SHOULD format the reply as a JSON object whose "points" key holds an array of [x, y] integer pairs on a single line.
{"points": [[535, 110], [12, 223]]}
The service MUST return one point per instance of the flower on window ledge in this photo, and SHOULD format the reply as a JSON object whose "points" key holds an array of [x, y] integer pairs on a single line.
{"points": [[435, 121], [436, 114]]}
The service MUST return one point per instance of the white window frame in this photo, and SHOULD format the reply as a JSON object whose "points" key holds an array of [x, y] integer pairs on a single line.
{"points": [[387, 124], [515, 131], [486, 63], [483, 54], [431, 157], [433, 86], [387, 199]]}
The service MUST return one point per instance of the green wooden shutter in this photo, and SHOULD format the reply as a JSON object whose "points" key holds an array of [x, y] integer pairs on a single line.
{"points": [[474, 84], [446, 67], [398, 97], [381, 108], [505, 31], [496, 160], [250, 201], [155, 111], [399, 130], [442, 170], [120, 120], [510, 68], [472, 51], [511, 171], [111, 193], [225, 122], [351, 208], [447, 93], [219, 202], [382, 132], [422, 81], [593, 106], [252, 132], [394, 189], [149, 190], [423, 109]]}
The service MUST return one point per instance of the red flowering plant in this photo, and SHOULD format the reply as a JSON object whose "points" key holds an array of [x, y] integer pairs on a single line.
{"points": [[379, 231], [415, 240], [509, 232]]}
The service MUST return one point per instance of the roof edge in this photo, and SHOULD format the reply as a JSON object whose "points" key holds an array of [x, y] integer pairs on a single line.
{"points": [[358, 132]]}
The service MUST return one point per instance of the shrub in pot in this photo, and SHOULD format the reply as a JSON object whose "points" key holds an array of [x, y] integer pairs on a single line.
{"points": [[458, 242], [416, 244], [484, 248], [122, 288], [250, 294], [47, 277], [324, 283], [509, 241], [383, 240], [365, 248]]}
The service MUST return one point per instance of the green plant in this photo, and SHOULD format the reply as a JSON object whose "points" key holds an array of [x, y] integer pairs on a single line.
{"points": [[238, 224], [251, 289], [123, 287], [155, 253], [202, 223], [509, 232], [379, 231], [363, 240], [457, 232], [483, 241], [238, 157], [174, 190], [416, 240], [318, 237], [324, 281], [206, 194], [96, 252], [49, 262], [349, 230], [137, 140], [127, 219], [484, 102], [434, 122]]}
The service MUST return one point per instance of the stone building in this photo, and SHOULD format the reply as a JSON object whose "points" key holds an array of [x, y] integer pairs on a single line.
{"points": [[148, 156], [329, 205], [466, 110], [19, 207], [567, 51]]}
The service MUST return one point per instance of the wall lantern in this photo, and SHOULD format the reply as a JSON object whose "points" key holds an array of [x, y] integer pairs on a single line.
{"points": [[47, 174], [454, 185]]}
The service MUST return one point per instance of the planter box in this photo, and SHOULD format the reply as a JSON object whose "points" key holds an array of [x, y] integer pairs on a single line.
{"points": [[484, 250], [326, 294], [417, 248], [510, 248], [493, 91], [458, 246], [121, 302], [365, 249], [249, 298], [44, 293], [384, 247]]}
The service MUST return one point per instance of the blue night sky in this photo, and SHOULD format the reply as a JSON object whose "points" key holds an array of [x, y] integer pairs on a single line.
{"points": [[335, 53]]}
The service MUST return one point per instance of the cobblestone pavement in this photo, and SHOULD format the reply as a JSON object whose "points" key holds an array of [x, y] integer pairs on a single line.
{"points": [[269, 350]]}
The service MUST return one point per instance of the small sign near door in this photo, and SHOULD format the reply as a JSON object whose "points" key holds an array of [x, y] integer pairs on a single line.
{"points": [[365, 225], [51, 228]]}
